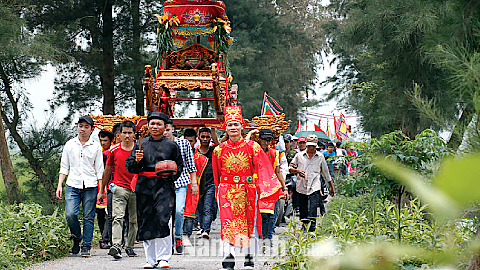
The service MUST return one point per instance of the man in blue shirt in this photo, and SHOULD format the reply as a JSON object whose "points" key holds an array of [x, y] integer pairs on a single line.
{"points": [[329, 155]]}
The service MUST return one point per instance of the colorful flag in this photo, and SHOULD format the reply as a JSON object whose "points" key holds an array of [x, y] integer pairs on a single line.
{"points": [[342, 128], [299, 126], [274, 102], [267, 107], [319, 127], [329, 132]]}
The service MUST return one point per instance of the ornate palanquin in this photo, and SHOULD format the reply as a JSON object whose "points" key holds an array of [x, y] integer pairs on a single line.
{"points": [[194, 68]]}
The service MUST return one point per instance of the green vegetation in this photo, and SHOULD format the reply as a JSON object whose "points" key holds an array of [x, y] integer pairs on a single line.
{"points": [[385, 49], [31, 190], [370, 224], [28, 236]]}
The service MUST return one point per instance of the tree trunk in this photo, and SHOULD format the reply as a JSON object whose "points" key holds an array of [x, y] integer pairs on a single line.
{"points": [[12, 127], [108, 64], [9, 178], [137, 60], [34, 164], [461, 126]]}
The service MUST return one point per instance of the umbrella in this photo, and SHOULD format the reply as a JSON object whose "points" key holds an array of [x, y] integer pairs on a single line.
{"points": [[320, 135]]}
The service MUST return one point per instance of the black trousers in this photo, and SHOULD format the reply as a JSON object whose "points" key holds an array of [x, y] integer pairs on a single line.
{"points": [[109, 216], [265, 224], [295, 199], [308, 208], [103, 225]]}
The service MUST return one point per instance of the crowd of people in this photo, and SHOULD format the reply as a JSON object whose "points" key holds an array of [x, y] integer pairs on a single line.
{"points": [[236, 178]]}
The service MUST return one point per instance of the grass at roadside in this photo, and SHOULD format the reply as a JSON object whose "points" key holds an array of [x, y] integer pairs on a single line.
{"points": [[28, 236]]}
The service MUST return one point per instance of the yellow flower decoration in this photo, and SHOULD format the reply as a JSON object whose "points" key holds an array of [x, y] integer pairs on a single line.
{"points": [[227, 28]]}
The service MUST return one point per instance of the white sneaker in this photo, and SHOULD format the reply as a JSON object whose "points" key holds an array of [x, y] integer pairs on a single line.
{"points": [[199, 232], [214, 225], [205, 235], [163, 264], [248, 267], [186, 241], [148, 266]]}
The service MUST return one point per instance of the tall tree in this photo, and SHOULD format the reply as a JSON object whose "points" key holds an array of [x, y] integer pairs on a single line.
{"points": [[271, 55], [137, 58], [108, 61], [9, 178], [21, 58], [109, 49], [380, 52]]}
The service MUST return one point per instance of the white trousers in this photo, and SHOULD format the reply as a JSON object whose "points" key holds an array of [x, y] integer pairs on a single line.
{"points": [[158, 249]]}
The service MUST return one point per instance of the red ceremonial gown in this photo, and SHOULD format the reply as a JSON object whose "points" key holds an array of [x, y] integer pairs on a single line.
{"points": [[268, 206], [192, 200], [235, 166]]}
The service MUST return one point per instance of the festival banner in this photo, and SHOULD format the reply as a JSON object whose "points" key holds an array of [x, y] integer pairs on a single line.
{"points": [[299, 126], [329, 132], [319, 127], [342, 128], [267, 107]]}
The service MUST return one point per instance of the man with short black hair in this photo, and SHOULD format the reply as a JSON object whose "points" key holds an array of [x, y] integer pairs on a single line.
{"points": [[192, 199], [116, 133], [123, 196], [116, 140], [82, 160], [268, 216], [329, 155], [155, 193], [207, 204], [106, 139]]}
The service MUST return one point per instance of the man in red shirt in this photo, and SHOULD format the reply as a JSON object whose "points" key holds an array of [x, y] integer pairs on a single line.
{"points": [[123, 196]]}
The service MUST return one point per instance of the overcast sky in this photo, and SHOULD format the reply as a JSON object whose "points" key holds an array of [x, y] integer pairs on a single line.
{"points": [[41, 90]]}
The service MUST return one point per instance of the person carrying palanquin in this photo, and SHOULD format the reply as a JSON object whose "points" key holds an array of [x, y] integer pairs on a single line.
{"points": [[243, 175]]}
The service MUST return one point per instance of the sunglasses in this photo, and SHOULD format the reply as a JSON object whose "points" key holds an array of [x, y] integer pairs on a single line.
{"points": [[205, 137]]}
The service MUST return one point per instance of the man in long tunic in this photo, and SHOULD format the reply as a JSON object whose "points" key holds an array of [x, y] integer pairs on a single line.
{"points": [[155, 195], [236, 164]]}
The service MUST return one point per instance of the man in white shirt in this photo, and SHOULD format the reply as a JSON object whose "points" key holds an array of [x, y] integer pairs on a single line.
{"points": [[309, 165], [82, 160]]}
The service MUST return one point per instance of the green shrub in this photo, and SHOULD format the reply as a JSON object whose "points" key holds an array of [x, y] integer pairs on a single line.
{"points": [[370, 224], [27, 236]]}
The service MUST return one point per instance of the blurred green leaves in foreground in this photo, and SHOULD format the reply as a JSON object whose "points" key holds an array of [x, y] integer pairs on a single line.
{"points": [[435, 229], [454, 188]]}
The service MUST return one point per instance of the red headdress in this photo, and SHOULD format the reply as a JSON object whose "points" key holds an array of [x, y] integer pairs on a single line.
{"points": [[231, 114]]}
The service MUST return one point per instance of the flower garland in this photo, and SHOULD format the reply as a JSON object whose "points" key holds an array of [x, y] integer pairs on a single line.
{"points": [[165, 36], [221, 33]]}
